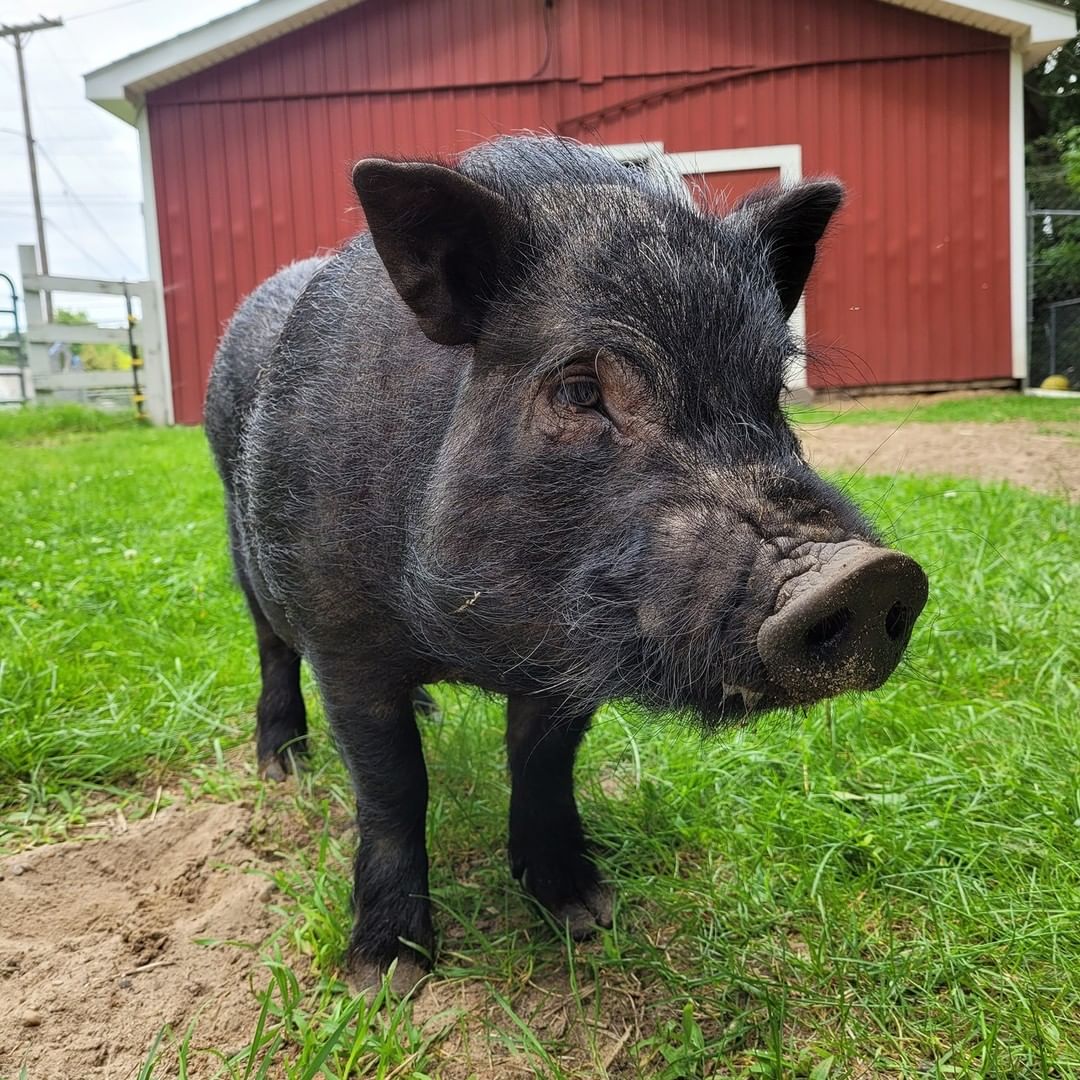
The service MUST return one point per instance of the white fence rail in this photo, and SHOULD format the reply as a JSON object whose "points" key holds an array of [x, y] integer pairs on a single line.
{"points": [[52, 380]]}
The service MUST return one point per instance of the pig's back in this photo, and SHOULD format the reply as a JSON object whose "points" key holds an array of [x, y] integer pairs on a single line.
{"points": [[243, 357]]}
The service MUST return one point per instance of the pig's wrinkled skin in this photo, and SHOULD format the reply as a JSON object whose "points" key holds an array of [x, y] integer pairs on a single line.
{"points": [[526, 433]]}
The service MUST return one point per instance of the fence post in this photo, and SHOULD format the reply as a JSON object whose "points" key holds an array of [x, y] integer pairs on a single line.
{"points": [[1030, 290], [152, 330], [1053, 338], [37, 353]]}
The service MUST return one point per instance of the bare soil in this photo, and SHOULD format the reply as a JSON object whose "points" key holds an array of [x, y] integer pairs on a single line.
{"points": [[99, 943], [105, 941], [1017, 451]]}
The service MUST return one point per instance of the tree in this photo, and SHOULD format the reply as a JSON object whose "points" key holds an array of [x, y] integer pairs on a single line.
{"points": [[1052, 90], [1052, 123], [94, 357]]}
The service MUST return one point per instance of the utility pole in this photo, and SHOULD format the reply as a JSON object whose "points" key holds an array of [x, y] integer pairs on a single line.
{"points": [[19, 36]]}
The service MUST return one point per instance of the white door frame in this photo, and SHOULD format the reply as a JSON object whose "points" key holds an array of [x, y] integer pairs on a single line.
{"points": [[786, 158], [153, 258], [1018, 225]]}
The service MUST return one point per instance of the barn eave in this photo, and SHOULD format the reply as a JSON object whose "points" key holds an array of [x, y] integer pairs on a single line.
{"points": [[121, 87], [1034, 27]]}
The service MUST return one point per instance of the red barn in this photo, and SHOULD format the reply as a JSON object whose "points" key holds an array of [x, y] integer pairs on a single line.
{"points": [[249, 126]]}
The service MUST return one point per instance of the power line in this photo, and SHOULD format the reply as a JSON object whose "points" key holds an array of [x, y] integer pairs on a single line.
{"points": [[18, 30], [105, 10], [78, 247], [99, 200], [55, 138], [86, 210]]}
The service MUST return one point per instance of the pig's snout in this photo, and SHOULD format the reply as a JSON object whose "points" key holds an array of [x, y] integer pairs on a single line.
{"points": [[844, 624]]}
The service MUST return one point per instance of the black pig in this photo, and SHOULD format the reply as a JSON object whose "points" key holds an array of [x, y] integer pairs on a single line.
{"points": [[526, 433]]}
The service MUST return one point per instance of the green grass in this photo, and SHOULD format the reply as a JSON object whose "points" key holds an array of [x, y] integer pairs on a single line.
{"points": [[38, 422], [888, 886], [991, 409]]}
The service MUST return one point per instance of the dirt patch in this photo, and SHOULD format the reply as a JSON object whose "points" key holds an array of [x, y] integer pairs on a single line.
{"points": [[103, 942], [99, 943], [1017, 451]]}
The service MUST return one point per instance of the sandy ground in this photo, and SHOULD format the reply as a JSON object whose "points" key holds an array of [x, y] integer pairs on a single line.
{"points": [[100, 941], [1018, 451], [105, 941]]}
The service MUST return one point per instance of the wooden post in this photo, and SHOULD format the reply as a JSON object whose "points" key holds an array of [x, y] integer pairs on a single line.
{"points": [[19, 36], [37, 354], [153, 335]]}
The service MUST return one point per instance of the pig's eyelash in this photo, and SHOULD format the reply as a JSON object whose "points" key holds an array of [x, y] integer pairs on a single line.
{"points": [[582, 392]]}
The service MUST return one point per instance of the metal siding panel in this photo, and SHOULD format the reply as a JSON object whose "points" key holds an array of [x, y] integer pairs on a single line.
{"points": [[220, 273], [298, 116], [936, 213], [958, 163], [239, 186], [981, 341], [902, 217], [193, 289], [211, 284], [259, 222], [271, 62], [337, 218], [230, 81], [915, 124], [310, 76], [251, 81], [168, 195], [278, 155]]}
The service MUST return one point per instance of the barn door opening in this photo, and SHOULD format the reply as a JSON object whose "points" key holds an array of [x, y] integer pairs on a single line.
{"points": [[722, 177]]}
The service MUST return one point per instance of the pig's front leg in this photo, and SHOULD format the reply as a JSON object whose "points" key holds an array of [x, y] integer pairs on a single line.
{"points": [[376, 734], [548, 849]]}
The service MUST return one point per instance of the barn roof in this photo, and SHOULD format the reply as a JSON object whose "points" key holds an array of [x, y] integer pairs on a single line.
{"points": [[1035, 28]]}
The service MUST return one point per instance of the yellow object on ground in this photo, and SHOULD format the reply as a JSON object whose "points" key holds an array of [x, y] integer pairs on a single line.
{"points": [[1054, 382]]}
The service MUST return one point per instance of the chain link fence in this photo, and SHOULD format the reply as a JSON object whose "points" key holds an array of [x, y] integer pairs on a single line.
{"points": [[1053, 274]]}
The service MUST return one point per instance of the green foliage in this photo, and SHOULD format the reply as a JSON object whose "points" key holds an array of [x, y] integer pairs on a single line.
{"points": [[1054, 184], [1052, 89], [1052, 112], [94, 357], [1070, 157]]}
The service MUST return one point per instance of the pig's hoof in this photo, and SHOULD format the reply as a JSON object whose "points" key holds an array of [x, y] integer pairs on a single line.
{"points": [[365, 977], [584, 914], [572, 893], [279, 766]]}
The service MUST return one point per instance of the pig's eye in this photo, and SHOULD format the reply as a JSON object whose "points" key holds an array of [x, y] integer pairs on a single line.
{"points": [[580, 392]]}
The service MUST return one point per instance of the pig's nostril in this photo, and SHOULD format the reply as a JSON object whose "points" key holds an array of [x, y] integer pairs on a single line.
{"points": [[845, 625], [898, 621], [827, 631]]}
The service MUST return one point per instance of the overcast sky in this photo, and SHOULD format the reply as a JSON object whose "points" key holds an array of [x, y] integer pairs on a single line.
{"points": [[84, 153]]}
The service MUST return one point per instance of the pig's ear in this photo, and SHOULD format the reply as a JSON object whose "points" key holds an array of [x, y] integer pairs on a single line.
{"points": [[439, 235], [792, 221]]}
